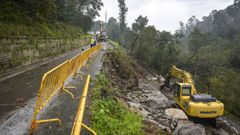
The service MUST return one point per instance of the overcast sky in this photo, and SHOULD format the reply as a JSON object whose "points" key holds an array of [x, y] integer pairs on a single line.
{"points": [[164, 14]]}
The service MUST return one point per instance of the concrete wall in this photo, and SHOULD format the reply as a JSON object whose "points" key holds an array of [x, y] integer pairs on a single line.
{"points": [[18, 52]]}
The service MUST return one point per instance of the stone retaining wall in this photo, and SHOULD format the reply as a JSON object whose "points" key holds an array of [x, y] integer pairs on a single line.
{"points": [[18, 52]]}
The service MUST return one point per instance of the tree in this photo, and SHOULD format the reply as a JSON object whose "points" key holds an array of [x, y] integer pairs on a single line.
{"points": [[137, 27], [197, 40], [61, 10], [96, 26], [192, 22], [122, 18], [113, 29], [139, 24], [236, 1]]}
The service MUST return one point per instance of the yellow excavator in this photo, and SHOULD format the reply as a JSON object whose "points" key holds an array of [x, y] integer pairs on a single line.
{"points": [[187, 98]]}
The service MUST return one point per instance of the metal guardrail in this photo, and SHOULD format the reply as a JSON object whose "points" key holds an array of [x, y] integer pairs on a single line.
{"points": [[53, 81], [76, 129]]}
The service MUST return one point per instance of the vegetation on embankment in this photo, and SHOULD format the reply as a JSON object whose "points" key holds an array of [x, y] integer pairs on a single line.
{"points": [[109, 115], [40, 30]]}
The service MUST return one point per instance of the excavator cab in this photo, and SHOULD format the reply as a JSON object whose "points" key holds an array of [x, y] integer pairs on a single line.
{"points": [[182, 90]]}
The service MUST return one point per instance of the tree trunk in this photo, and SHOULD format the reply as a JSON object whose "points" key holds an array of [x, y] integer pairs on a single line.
{"points": [[196, 67], [133, 44]]}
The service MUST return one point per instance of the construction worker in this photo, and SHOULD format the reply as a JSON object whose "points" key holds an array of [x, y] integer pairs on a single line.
{"points": [[93, 42]]}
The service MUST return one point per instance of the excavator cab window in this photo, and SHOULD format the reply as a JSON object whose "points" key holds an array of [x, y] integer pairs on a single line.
{"points": [[186, 90], [176, 88]]}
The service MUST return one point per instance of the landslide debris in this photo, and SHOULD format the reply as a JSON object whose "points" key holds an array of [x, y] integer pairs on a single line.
{"points": [[120, 70], [139, 90]]}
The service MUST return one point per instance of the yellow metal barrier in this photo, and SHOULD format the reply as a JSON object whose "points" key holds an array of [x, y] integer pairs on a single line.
{"points": [[81, 59], [53, 80], [76, 129]]}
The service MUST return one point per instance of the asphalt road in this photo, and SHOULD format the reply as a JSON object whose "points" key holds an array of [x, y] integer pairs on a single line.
{"points": [[23, 88]]}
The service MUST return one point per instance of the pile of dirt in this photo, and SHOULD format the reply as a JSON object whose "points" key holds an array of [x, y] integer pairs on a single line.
{"points": [[120, 70]]}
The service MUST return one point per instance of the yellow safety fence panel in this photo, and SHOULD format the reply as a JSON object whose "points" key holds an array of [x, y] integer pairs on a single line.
{"points": [[81, 59], [76, 129], [53, 81]]}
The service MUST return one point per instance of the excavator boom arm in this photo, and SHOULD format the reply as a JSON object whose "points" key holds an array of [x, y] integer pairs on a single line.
{"points": [[184, 76]]}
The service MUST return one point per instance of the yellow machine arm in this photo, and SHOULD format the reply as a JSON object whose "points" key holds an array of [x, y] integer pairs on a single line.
{"points": [[184, 76]]}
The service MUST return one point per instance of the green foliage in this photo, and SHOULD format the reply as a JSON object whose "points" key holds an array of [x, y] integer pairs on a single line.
{"points": [[197, 39], [114, 44], [154, 48], [110, 116], [224, 84], [29, 12], [113, 29], [18, 61], [122, 20], [122, 14], [57, 30], [139, 24]]}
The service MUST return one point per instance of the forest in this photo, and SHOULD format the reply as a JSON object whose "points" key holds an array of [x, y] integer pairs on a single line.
{"points": [[208, 49]]}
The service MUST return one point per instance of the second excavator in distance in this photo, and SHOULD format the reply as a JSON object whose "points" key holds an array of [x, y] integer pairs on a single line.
{"points": [[185, 95]]}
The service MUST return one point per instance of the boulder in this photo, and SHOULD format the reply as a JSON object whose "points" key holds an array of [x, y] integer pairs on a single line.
{"points": [[176, 114], [157, 99], [189, 128]]}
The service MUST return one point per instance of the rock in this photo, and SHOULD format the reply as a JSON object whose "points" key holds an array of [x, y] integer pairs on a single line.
{"points": [[159, 125], [189, 128], [134, 105], [144, 112], [19, 100], [161, 79], [143, 99], [129, 98], [219, 132], [234, 130], [165, 122], [155, 115], [150, 109], [157, 99], [153, 79], [176, 114]]}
